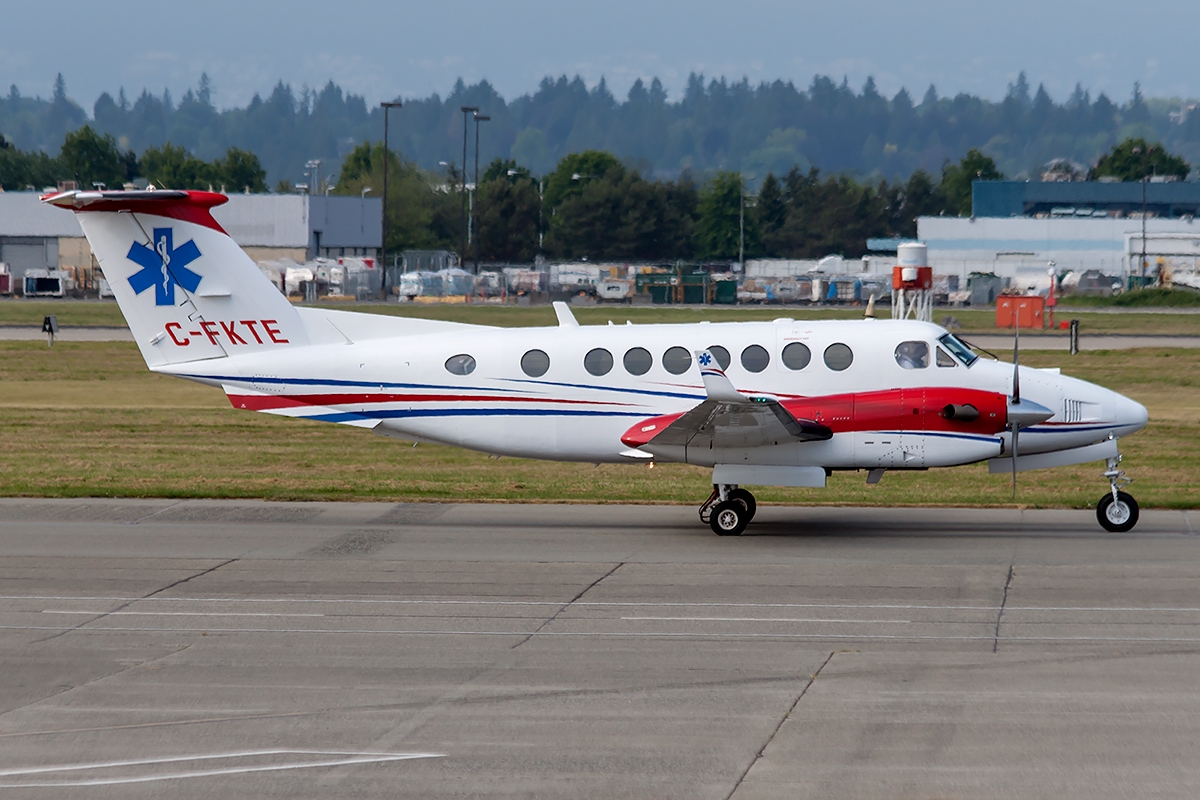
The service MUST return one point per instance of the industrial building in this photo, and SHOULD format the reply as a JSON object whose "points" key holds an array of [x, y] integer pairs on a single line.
{"points": [[35, 236], [1019, 227]]}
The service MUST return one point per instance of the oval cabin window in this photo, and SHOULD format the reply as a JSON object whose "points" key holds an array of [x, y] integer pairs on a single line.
{"points": [[677, 361], [755, 358], [838, 357], [461, 364], [721, 355], [598, 362], [796, 356], [535, 363], [638, 361]]}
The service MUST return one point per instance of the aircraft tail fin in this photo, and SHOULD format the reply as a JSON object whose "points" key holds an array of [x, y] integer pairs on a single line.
{"points": [[186, 289]]}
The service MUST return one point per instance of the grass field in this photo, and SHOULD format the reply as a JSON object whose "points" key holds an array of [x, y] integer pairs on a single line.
{"points": [[88, 419], [1106, 320]]}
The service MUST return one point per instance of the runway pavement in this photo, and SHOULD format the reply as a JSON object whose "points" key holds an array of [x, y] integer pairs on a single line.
{"points": [[245, 649]]}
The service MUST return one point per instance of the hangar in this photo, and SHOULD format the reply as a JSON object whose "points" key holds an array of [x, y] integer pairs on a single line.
{"points": [[34, 236], [1018, 227]]}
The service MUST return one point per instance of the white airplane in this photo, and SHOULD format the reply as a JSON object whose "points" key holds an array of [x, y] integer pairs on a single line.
{"points": [[781, 403]]}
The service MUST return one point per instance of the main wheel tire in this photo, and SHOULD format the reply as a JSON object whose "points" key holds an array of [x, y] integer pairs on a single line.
{"points": [[729, 518], [1119, 516], [746, 499]]}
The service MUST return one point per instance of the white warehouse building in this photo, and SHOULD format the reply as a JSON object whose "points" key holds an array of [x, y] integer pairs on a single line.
{"points": [[34, 235], [1021, 247], [1018, 227]]}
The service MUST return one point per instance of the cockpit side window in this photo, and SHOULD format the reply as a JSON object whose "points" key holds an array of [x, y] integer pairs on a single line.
{"points": [[944, 359], [958, 349], [912, 355]]}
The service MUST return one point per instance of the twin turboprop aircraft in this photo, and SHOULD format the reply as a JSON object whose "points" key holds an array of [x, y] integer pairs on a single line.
{"points": [[781, 403]]}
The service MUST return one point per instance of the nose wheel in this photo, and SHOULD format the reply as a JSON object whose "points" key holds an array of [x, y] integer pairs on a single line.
{"points": [[728, 510], [1117, 511]]}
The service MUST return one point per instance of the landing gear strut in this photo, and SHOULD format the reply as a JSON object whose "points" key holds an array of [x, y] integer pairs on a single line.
{"points": [[728, 510], [1117, 511]]}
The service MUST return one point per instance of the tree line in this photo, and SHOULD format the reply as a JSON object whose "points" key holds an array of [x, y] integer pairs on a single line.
{"points": [[92, 159], [594, 206], [713, 125]]}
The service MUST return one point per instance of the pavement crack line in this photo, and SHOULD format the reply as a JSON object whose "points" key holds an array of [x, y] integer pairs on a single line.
{"points": [[128, 603], [84, 685], [155, 512], [1003, 603], [567, 605], [791, 709]]}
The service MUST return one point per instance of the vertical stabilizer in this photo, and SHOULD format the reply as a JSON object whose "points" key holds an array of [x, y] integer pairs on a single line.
{"points": [[186, 289]]}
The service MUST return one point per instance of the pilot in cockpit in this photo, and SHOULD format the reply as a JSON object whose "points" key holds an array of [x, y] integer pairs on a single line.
{"points": [[912, 355]]}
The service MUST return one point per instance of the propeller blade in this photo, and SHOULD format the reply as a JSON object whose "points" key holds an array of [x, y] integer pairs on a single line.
{"points": [[1016, 393], [1016, 430]]}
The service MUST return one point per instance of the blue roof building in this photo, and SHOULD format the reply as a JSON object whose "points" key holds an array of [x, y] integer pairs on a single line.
{"points": [[1084, 199]]}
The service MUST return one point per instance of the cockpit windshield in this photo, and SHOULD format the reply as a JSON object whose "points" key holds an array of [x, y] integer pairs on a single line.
{"points": [[959, 349]]}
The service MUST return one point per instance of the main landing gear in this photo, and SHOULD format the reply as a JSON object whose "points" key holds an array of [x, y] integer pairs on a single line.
{"points": [[728, 510], [1117, 511]]}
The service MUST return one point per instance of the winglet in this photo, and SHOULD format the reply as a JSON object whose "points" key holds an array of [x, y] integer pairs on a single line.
{"points": [[716, 384], [565, 318]]}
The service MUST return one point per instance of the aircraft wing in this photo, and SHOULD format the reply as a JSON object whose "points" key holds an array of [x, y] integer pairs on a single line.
{"points": [[725, 419]]}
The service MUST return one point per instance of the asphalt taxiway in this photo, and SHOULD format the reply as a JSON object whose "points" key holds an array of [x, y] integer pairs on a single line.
{"points": [[243, 649]]}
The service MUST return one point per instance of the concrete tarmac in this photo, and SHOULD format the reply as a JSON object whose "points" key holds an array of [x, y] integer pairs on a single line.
{"points": [[247, 649]]}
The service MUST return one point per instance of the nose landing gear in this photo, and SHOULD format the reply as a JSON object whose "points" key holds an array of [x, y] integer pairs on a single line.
{"points": [[728, 510], [1117, 511]]}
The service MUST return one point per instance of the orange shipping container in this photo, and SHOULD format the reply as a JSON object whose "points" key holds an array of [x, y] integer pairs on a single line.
{"points": [[1026, 311]]}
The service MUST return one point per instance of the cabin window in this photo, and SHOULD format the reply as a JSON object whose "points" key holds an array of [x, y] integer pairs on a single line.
{"points": [[912, 355], [598, 361], [721, 355], [944, 359], [796, 356], [461, 364], [535, 363], [677, 361], [838, 356], [755, 358], [638, 361]]}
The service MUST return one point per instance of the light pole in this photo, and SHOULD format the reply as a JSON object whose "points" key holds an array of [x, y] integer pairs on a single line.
{"points": [[1145, 176], [742, 221], [383, 244], [475, 206], [465, 110], [315, 165]]}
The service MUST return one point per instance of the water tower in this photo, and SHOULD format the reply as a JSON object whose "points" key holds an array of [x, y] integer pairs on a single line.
{"points": [[912, 283]]}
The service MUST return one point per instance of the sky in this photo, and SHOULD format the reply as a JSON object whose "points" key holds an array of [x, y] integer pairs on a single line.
{"points": [[383, 50]]}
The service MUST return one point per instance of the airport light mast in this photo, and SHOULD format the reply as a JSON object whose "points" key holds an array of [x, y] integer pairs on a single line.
{"points": [[383, 243]]}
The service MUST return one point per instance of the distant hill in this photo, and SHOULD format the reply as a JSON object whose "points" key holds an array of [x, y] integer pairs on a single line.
{"points": [[715, 125]]}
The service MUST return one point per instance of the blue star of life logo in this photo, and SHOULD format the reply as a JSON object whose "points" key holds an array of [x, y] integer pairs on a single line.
{"points": [[705, 359], [163, 267]]}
